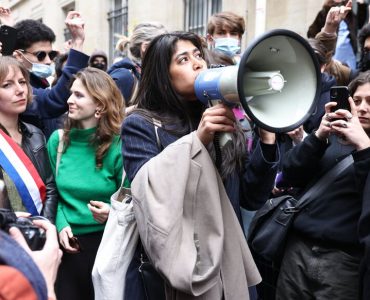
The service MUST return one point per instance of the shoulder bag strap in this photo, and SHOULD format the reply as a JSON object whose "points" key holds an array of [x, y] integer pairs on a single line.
{"points": [[323, 182], [59, 150]]}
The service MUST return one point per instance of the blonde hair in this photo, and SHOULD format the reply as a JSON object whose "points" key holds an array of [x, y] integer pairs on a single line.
{"points": [[144, 32], [122, 44]]}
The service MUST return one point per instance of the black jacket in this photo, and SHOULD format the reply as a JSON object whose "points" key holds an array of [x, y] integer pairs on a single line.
{"points": [[33, 144], [332, 218], [313, 122], [364, 233]]}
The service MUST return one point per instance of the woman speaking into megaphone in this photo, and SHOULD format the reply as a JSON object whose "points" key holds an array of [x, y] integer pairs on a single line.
{"points": [[170, 149]]}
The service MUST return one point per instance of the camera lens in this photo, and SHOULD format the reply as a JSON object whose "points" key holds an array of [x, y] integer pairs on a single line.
{"points": [[6, 217]]}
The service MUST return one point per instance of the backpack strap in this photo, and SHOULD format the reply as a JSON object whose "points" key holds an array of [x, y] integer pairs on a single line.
{"points": [[322, 184]]}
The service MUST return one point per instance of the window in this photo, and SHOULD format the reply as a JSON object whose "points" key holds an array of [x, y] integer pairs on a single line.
{"points": [[197, 13], [118, 23]]}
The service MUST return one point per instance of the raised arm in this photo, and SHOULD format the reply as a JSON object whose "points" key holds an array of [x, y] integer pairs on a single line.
{"points": [[51, 103], [76, 26]]}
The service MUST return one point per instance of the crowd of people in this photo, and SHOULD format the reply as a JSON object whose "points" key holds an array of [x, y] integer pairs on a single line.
{"points": [[75, 129]]}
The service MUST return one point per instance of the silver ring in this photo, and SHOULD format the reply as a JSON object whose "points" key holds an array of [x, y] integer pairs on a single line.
{"points": [[344, 125], [327, 117], [328, 124]]}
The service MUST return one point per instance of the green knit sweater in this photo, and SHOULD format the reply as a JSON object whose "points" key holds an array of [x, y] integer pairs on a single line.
{"points": [[79, 181]]}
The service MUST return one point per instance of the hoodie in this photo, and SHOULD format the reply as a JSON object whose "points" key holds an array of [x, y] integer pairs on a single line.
{"points": [[125, 73]]}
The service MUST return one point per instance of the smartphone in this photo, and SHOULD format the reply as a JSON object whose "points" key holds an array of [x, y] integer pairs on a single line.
{"points": [[74, 243], [8, 38], [340, 94]]}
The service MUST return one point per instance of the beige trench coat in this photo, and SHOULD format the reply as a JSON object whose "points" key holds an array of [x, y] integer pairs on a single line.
{"points": [[188, 226]]}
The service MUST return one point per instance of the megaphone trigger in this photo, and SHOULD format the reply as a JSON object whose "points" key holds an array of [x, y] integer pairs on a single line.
{"points": [[214, 102]]}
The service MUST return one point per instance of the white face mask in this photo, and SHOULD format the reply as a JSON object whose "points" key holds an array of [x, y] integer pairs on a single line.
{"points": [[229, 46], [41, 70]]}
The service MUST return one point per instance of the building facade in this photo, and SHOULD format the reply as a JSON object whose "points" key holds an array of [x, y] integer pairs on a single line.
{"points": [[106, 20]]}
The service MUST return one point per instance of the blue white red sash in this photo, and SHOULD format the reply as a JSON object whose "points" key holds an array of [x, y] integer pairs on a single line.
{"points": [[23, 173]]}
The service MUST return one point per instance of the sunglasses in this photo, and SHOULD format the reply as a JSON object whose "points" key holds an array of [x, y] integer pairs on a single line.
{"points": [[40, 55]]}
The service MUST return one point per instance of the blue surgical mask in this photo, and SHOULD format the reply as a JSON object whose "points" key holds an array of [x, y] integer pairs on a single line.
{"points": [[229, 46], [41, 70]]}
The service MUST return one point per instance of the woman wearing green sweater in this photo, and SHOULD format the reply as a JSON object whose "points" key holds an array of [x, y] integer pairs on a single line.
{"points": [[88, 173]]}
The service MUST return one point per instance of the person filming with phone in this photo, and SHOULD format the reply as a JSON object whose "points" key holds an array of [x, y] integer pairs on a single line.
{"points": [[324, 237]]}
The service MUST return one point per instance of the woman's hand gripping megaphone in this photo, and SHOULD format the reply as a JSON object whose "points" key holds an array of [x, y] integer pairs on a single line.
{"points": [[217, 118]]}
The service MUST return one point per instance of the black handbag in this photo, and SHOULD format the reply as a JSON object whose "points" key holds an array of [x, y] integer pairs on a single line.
{"points": [[270, 226], [153, 283]]}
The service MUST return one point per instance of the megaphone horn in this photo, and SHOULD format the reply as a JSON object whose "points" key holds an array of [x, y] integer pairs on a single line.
{"points": [[278, 81]]}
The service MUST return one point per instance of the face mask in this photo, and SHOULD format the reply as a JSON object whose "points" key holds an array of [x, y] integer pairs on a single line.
{"points": [[41, 70], [100, 66], [229, 46]]}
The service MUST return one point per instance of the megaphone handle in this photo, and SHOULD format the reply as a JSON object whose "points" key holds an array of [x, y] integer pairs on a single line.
{"points": [[218, 154], [224, 137]]}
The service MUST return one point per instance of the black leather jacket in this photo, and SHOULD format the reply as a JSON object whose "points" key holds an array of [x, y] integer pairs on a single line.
{"points": [[33, 144]]}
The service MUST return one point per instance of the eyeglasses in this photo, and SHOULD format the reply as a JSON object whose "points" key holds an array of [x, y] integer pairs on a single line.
{"points": [[40, 55]]}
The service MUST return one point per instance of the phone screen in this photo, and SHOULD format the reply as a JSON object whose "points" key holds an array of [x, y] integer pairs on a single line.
{"points": [[340, 94]]}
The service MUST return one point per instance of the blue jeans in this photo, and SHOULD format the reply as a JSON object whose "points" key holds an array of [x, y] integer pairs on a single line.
{"points": [[312, 271]]}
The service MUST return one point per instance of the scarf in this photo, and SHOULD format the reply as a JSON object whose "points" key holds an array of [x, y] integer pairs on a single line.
{"points": [[23, 173]]}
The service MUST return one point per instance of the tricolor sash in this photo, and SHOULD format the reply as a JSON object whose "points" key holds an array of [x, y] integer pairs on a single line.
{"points": [[23, 173]]}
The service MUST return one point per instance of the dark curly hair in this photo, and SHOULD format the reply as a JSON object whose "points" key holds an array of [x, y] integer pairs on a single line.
{"points": [[32, 31], [362, 36], [361, 79]]}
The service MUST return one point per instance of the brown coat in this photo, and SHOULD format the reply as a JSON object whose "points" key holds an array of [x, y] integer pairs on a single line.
{"points": [[341, 72]]}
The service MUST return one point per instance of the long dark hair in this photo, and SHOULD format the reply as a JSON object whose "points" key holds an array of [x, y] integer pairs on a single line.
{"points": [[156, 98]]}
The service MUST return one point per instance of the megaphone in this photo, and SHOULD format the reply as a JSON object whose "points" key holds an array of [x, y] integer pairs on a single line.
{"points": [[278, 81]]}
